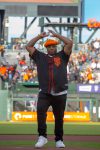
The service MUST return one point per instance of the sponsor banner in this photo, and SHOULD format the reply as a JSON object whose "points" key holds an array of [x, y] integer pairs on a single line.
{"points": [[89, 88], [68, 116], [76, 116]]}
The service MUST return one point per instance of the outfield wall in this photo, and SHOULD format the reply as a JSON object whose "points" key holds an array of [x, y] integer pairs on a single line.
{"points": [[23, 100]]}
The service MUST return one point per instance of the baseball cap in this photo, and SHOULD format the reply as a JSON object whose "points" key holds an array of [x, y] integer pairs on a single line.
{"points": [[51, 42]]}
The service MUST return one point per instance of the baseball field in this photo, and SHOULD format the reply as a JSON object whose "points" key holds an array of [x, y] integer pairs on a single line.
{"points": [[23, 135]]}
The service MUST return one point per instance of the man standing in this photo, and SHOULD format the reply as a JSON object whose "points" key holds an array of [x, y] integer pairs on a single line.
{"points": [[53, 84]]}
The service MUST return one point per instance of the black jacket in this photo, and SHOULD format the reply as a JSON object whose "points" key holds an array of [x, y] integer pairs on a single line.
{"points": [[52, 71]]}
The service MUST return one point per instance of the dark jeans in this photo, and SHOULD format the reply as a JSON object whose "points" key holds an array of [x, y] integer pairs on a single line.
{"points": [[58, 104]]}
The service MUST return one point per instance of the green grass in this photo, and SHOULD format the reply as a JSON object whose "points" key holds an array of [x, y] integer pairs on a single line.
{"points": [[31, 128], [95, 145], [69, 129]]}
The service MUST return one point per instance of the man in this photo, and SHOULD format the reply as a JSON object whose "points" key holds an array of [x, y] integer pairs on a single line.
{"points": [[52, 76]]}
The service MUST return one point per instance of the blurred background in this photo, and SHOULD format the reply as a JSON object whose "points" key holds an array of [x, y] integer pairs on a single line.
{"points": [[22, 20]]}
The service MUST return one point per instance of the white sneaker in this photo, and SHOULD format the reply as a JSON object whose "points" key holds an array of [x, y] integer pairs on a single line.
{"points": [[60, 144], [41, 142]]}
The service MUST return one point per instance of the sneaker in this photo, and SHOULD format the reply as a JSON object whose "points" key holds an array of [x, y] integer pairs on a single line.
{"points": [[60, 144], [41, 142]]}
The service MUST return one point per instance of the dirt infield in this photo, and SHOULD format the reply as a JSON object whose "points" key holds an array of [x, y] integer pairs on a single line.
{"points": [[50, 138]]}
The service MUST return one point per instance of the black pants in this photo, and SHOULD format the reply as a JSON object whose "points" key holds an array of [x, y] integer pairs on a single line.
{"points": [[58, 104]]}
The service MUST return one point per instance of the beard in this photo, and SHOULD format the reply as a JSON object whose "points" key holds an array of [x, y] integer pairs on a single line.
{"points": [[52, 53]]}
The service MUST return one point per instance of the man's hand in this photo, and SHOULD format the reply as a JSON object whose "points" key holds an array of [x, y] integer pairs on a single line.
{"points": [[30, 46], [43, 34], [53, 33], [67, 42]]}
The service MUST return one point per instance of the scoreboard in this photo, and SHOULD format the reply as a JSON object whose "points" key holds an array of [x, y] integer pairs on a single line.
{"points": [[42, 8], [41, 1]]}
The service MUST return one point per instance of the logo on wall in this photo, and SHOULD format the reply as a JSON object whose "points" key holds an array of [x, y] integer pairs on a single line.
{"points": [[18, 116]]}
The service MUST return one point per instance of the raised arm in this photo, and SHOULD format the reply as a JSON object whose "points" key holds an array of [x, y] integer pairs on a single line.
{"points": [[67, 42], [30, 46]]}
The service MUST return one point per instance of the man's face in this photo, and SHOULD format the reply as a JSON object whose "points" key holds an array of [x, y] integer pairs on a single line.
{"points": [[52, 49]]}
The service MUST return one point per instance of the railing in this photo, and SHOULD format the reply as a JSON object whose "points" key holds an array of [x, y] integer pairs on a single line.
{"points": [[77, 101]]}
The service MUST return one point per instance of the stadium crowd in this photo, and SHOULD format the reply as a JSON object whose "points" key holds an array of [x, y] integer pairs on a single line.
{"points": [[83, 67]]}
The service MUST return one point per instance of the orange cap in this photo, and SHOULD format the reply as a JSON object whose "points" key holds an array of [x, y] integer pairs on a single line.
{"points": [[50, 42]]}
